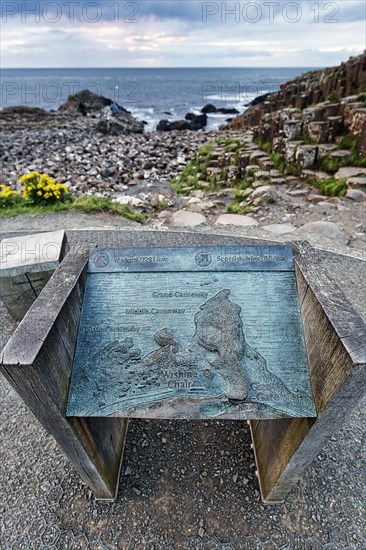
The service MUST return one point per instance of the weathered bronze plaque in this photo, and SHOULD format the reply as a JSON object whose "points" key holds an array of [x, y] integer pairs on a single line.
{"points": [[198, 333]]}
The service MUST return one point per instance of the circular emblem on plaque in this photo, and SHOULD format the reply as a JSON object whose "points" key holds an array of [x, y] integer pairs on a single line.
{"points": [[203, 259], [101, 259]]}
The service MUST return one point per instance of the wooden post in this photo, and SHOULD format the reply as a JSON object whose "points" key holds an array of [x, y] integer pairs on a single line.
{"points": [[335, 340], [37, 362]]}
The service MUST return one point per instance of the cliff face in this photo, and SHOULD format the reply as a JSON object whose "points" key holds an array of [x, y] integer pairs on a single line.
{"points": [[321, 104]]}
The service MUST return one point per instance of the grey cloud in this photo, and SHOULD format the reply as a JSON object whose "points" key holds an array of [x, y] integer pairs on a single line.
{"points": [[190, 10]]}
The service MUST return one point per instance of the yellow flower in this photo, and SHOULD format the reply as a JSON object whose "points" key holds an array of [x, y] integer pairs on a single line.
{"points": [[38, 188]]}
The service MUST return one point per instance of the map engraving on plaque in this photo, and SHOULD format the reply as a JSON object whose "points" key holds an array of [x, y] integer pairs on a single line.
{"points": [[178, 348]]}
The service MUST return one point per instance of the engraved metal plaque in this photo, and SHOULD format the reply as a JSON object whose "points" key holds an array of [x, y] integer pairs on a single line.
{"points": [[191, 333]]}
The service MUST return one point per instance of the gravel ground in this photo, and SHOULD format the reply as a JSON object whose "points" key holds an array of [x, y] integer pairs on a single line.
{"points": [[184, 485]]}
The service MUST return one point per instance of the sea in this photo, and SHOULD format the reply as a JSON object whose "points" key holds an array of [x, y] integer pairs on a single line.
{"points": [[150, 94]]}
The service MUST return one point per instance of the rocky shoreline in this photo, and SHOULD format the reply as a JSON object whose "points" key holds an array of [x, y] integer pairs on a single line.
{"points": [[238, 182]]}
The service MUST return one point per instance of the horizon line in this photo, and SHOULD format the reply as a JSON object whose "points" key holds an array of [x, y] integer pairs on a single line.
{"points": [[156, 68]]}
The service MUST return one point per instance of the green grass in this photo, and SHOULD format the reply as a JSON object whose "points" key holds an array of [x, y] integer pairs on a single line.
{"points": [[80, 204], [251, 172], [330, 187], [279, 161], [346, 142], [28, 209], [243, 184], [239, 208], [333, 97], [305, 138], [293, 170], [332, 165], [197, 170], [266, 146], [101, 204], [161, 205]]}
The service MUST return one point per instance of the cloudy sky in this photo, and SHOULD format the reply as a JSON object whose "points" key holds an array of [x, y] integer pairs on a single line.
{"points": [[180, 33]]}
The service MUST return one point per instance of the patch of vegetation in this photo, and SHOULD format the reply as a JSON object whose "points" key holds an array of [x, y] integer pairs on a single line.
{"points": [[251, 172], [330, 164], [239, 208], [198, 171], [305, 138], [293, 170], [331, 187], [346, 142], [266, 146], [233, 147], [242, 185], [9, 197], [279, 161], [284, 167], [161, 205], [194, 171], [205, 150], [42, 189], [355, 158], [102, 204], [81, 204], [22, 208], [332, 97], [333, 164]]}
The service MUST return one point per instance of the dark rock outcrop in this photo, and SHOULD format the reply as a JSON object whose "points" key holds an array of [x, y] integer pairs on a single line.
{"points": [[209, 109], [191, 122], [225, 111], [22, 110], [197, 121], [120, 126], [85, 102], [166, 126]]}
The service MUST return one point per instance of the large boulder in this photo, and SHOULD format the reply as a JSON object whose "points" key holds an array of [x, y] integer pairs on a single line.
{"points": [[209, 108], [120, 126], [85, 102], [191, 122], [167, 126], [197, 121], [183, 218], [228, 111], [124, 124]]}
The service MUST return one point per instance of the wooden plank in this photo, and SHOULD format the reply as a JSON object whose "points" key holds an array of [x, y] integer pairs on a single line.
{"points": [[334, 336], [37, 362], [346, 321]]}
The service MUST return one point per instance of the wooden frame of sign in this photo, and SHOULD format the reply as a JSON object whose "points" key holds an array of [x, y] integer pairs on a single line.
{"points": [[37, 361]]}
